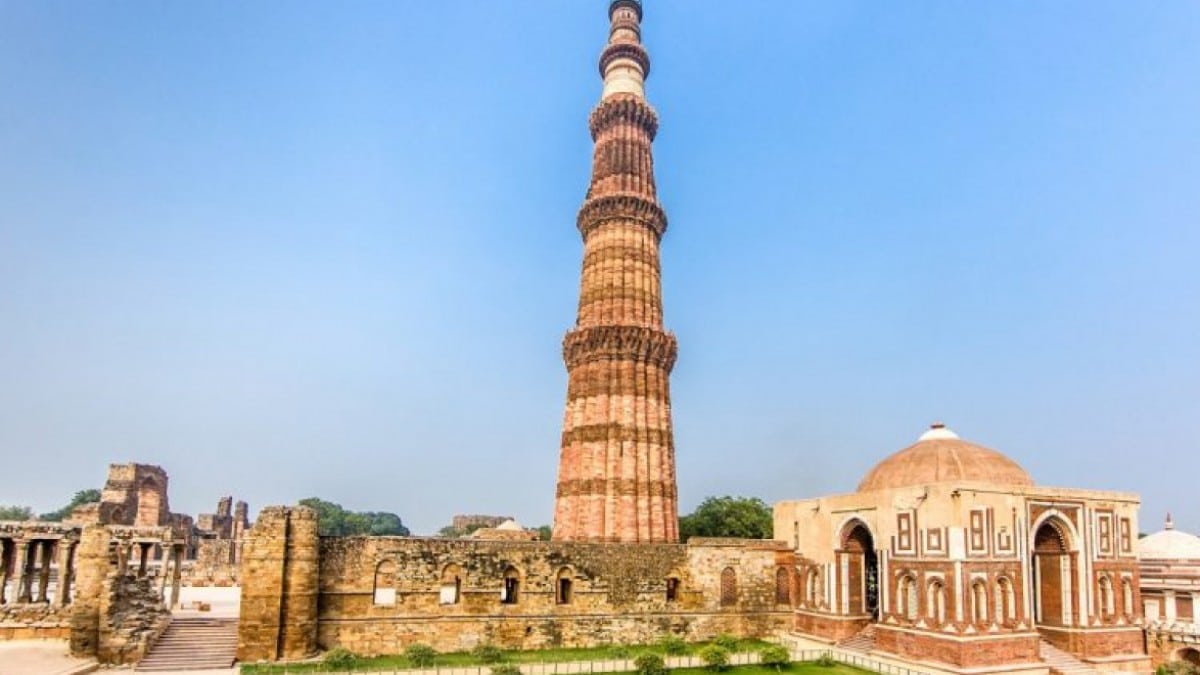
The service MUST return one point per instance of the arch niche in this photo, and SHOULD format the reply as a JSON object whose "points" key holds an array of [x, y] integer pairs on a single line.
{"points": [[1054, 591], [149, 503], [1188, 655], [860, 571]]}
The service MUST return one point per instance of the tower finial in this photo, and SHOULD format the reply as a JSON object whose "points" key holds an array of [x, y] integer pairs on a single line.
{"points": [[1170, 525]]}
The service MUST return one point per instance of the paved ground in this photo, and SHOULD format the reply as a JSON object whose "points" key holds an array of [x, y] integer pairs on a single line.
{"points": [[40, 657]]}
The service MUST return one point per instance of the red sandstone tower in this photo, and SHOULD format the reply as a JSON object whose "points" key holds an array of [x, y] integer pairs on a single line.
{"points": [[616, 473]]}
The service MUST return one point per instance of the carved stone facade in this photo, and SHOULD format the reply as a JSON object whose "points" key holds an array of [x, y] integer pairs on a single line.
{"points": [[616, 476], [952, 568], [377, 595]]}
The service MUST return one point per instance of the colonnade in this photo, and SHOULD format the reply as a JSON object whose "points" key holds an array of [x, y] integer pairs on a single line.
{"points": [[25, 570]]}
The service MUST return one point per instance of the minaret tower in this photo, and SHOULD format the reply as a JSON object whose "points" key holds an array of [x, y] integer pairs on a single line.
{"points": [[616, 472]]}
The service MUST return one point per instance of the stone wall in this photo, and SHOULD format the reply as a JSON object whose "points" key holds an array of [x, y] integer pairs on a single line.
{"points": [[377, 595], [132, 617], [214, 564], [1168, 642], [41, 621]]}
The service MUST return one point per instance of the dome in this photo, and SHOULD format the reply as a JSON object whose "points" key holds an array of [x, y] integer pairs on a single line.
{"points": [[1169, 544], [510, 525], [940, 456]]}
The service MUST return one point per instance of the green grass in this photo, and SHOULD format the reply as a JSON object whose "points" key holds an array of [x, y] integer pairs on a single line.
{"points": [[397, 662], [553, 655], [794, 669]]}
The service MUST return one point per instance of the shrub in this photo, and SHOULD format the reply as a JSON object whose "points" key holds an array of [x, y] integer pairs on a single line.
{"points": [[726, 641], [775, 656], [620, 651], [506, 669], [419, 655], [673, 645], [825, 661], [487, 654], [715, 658], [650, 664], [339, 658]]}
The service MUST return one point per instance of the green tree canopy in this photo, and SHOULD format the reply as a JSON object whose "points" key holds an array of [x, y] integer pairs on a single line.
{"points": [[82, 497], [335, 521], [744, 517], [16, 513]]}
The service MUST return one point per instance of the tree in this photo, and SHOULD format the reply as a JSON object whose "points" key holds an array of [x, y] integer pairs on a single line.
{"points": [[742, 517], [82, 497], [544, 533], [452, 532], [335, 521], [16, 513]]}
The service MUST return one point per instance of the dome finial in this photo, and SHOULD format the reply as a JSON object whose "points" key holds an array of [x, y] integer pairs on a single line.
{"points": [[1170, 525], [938, 432]]}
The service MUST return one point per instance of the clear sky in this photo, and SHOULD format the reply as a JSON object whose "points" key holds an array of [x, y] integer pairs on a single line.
{"points": [[288, 249]]}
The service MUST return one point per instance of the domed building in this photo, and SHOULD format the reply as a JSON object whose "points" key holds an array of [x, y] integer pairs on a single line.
{"points": [[1170, 571], [950, 556]]}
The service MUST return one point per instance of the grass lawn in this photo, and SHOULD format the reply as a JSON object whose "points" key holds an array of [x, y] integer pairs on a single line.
{"points": [[555, 655], [794, 669]]}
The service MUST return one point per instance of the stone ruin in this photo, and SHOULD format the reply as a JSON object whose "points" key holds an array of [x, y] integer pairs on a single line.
{"points": [[100, 577], [218, 550]]}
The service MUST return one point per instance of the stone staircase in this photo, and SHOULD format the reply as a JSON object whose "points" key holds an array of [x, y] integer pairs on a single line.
{"points": [[1062, 663], [194, 643], [863, 641]]}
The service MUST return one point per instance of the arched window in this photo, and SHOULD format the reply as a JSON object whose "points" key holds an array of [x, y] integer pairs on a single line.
{"points": [[511, 592], [1127, 597], [813, 588], [562, 594], [936, 602], [1006, 601], [728, 587], [673, 585], [385, 583], [906, 598], [783, 587], [979, 602], [451, 590], [1106, 597]]}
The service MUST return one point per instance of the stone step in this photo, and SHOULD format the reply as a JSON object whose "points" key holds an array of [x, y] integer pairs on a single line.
{"points": [[193, 644]]}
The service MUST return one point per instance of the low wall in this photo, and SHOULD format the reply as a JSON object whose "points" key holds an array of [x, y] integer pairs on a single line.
{"points": [[377, 595], [39, 621]]}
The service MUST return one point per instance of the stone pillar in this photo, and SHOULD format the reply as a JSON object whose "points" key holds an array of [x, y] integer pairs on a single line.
{"points": [[6, 555], [66, 570], [176, 574], [278, 613], [92, 564], [143, 558], [24, 591], [163, 569], [44, 578]]}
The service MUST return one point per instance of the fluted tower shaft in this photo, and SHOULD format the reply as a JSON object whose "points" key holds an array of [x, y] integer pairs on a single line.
{"points": [[616, 475]]}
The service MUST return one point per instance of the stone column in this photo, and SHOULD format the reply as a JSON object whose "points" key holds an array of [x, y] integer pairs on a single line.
{"points": [[6, 555], [143, 558], [162, 572], [66, 570], [44, 578], [92, 564], [25, 560], [176, 574]]}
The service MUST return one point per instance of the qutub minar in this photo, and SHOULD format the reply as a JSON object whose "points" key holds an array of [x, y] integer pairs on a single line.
{"points": [[616, 474], [948, 558]]}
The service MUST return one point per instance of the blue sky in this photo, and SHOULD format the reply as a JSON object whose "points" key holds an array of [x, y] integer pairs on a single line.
{"points": [[292, 248]]}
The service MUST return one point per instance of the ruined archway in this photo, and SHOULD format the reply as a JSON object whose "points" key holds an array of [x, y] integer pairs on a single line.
{"points": [[149, 503], [860, 565], [1053, 574], [1188, 655]]}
